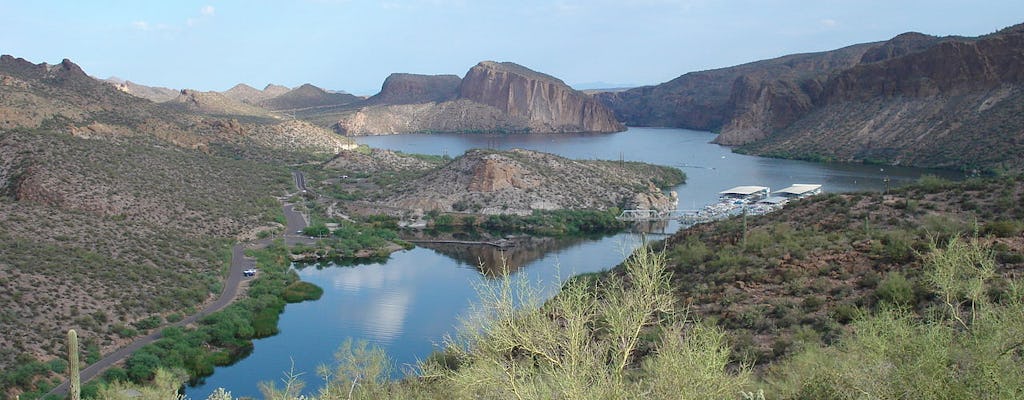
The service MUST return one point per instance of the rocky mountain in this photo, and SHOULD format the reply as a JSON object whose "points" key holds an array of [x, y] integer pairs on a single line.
{"points": [[152, 93], [492, 96], [520, 181], [950, 102], [702, 100], [307, 96], [918, 100]]}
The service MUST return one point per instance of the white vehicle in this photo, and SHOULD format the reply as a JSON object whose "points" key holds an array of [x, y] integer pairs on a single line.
{"points": [[249, 272]]}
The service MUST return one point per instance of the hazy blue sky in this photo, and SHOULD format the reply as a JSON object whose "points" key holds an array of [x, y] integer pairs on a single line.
{"points": [[353, 45]]}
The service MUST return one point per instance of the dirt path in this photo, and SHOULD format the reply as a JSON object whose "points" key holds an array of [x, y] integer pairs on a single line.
{"points": [[239, 263]]}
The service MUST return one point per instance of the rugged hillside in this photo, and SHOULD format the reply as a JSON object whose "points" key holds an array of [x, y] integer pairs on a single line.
{"points": [[916, 100], [307, 96], [493, 96], [520, 181], [154, 94], [703, 100], [796, 277], [955, 103], [117, 212]]}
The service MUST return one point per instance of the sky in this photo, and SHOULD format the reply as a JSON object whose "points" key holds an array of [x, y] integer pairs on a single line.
{"points": [[353, 45]]}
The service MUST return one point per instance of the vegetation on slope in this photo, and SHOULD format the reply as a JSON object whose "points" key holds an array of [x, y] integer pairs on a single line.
{"points": [[625, 335], [112, 238]]}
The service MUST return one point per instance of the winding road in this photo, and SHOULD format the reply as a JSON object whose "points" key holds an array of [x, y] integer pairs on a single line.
{"points": [[239, 263]]}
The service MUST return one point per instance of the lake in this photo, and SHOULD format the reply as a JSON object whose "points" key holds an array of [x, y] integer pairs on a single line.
{"points": [[409, 303]]}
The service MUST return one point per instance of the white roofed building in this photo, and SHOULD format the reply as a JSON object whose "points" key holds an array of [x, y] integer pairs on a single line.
{"points": [[799, 190], [745, 193]]}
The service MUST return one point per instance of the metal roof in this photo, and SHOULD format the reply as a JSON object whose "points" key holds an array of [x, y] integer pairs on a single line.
{"points": [[745, 190], [799, 189], [775, 200]]}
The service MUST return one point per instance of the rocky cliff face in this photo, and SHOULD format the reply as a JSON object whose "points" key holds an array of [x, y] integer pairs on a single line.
{"points": [[413, 89], [546, 103], [493, 97], [938, 102], [520, 181]]}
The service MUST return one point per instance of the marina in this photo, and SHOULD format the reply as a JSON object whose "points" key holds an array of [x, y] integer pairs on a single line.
{"points": [[751, 200]]}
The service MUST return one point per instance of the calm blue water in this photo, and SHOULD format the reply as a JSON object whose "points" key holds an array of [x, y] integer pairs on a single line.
{"points": [[409, 303]]}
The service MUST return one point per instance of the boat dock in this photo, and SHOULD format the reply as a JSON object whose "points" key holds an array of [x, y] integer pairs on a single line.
{"points": [[752, 200]]}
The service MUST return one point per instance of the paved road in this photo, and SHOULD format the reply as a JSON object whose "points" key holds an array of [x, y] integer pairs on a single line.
{"points": [[239, 263]]}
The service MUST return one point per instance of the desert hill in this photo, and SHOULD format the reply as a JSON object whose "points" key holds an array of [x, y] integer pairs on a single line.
{"points": [[118, 211], [63, 98], [307, 96], [216, 103], [492, 96], [250, 95], [521, 181], [915, 99]]}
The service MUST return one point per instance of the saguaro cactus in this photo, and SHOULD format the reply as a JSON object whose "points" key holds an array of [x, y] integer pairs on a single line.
{"points": [[75, 389]]}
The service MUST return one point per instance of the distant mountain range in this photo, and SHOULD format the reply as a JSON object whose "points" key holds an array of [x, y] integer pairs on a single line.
{"points": [[921, 100]]}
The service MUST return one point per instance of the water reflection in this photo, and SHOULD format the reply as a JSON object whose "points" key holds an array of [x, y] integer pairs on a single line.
{"points": [[494, 261], [407, 303]]}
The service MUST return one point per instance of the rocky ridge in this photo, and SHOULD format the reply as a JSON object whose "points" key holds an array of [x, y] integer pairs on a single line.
{"points": [[502, 97]]}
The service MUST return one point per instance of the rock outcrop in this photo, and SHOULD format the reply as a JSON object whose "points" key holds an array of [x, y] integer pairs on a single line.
{"points": [[521, 181], [493, 97]]}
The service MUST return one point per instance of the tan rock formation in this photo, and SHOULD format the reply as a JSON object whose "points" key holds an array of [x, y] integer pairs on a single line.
{"points": [[546, 103], [493, 97]]}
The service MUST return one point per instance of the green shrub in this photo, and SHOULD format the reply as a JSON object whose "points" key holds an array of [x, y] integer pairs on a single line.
{"points": [[301, 291], [1003, 228], [896, 290]]}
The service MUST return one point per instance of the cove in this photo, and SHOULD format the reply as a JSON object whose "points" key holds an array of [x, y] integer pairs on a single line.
{"points": [[408, 303]]}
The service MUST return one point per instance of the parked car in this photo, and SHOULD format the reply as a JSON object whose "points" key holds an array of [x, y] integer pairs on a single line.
{"points": [[249, 272]]}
